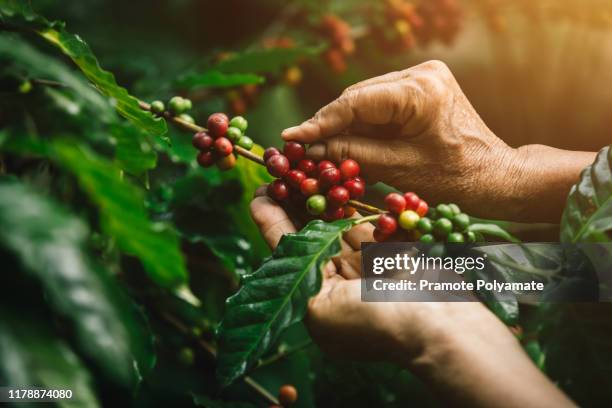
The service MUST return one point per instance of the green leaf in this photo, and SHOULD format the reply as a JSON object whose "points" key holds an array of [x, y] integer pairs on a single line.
{"points": [[50, 244], [275, 296], [588, 213], [31, 356], [133, 152], [217, 79], [493, 230], [266, 61], [205, 401]]}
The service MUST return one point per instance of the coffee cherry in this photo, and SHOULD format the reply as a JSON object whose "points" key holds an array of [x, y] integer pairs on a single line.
{"points": [[233, 133], [245, 142], [325, 164], [227, 162], [329, 177], [349, 211], [295, 178], [387, 224], [294, 151], [202, 141], [269, 152], [442, 227], [422, 208], [408, 219], [337, 196], [309, 167], [187, 105], [461, 221], [427, 239], [223, 146], [309, 186], [395, 202], [206, 159], [186, 118], [380, 236], [424, 225], [470, 237], [287, 395], [277, 165], [356, 187], [454, 208], [333, 214], [158, 107], [176, 105], [217, 124], [316, 204], [443, 210], [455, 237], [412, 201], [278, 190], [349, 169], [186, 356], [239, 122]]}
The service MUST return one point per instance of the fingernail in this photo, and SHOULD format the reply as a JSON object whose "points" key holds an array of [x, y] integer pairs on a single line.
{"points": [[317, 151]]}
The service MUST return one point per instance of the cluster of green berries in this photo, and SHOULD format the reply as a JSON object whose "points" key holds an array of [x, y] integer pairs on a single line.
{"points": [[409, 218], [177, 106], [323, 188], [216, 145]]}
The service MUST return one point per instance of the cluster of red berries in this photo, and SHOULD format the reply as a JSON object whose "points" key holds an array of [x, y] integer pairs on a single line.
{"points": [[394, 29], [216, 145], [341, 41], [324, 188], [442, 20]]}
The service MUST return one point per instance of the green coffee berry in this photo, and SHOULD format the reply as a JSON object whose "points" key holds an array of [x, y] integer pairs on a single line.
{"points": [[245, 142], [158, 107], [186, 356], [425, 225], [444, 210], [239, 122], [176, 105], [187, 118], [461, 221], [316, 204], [187, 105], [454, 208], [427, 239], [455, 237], [234, 134], [470, 237], [442, 227]]}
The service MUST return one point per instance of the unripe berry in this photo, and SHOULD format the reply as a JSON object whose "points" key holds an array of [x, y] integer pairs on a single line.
{"points": [[356, 188], [380, 236], [233, 133], [427, 239], [217, 124], [269, 152], [444, 210], [186, 356], [408, 219], [425, 225], [223, 146], [278, 190], [186, 118], [325, 164], [309, 167], [239, 122], [245, 142], [187, 105], [387, 224], [329, 177], [227, 162], [316, 204], [277, 165], [470, 236], [337, 196], [349, 169], [158, 107], [295, 178], [206, 159], [333, 214], [442, 227], [202, 141], [176, 105], [287, 395], [461, 221], [455, 237], [395, 203], [422, 208], [294, 151], [309, 187], [412, 201], [454, 208]]}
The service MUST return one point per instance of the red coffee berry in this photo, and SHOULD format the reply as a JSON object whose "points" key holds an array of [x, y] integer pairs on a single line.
{"points": [[333, 214], [309, 167], [277, 165], [206, 159], [422, 208], [269, 152], [412, 201], [309, 186], [295, 177], [278, 190], [396, 203], [349, 211], [329, 177], [227, 162], [325, 164], [202, 141], [337, 196], [356, 188], [387, 224], [217, 124], [294, 151], [223, 146], [380, 236], [287, 395], [349, 169]]}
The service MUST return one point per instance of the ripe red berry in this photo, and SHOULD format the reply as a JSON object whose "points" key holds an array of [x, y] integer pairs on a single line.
{"points": [[227, 162], [396, 203], [295, 177], [277, 165], [412, 201], [309, 167], [269, 152], [223, 146], [356, 188], [278, 190], [309, 186], [422, 208], [333, 214], [337, 196], [329, 177], [349, 211], [218, 124], [294, 151], [387, 224], [287, 395], [202, 141], [325, 164], [380, 236], [206, 159], [349, 169]]}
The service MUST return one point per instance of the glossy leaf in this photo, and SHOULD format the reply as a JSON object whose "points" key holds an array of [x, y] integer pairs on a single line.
{"points": [[266, 61], [493, 230], [588, 212], [217, 79], [51, 245], [275, 296], [133, 152]]}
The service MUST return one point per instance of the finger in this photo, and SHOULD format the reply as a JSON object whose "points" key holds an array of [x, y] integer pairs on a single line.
{"points": [[272, 220], [388, 77], [358, 234], [261, 191]]}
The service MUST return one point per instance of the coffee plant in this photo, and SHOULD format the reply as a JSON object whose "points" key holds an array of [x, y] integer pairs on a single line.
{"points": [[132, 269]]}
